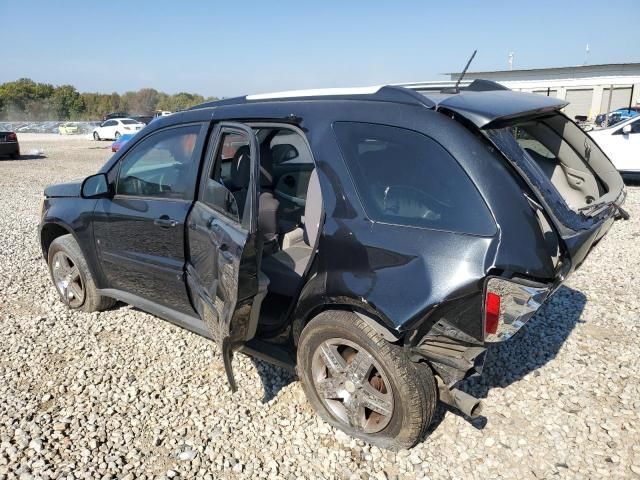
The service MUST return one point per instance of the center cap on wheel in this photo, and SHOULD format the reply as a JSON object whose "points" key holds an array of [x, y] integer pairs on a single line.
{"points": [[349, 386]]}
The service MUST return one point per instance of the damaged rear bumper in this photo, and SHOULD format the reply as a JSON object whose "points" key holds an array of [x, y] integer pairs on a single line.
{"points": [[454, 356]]}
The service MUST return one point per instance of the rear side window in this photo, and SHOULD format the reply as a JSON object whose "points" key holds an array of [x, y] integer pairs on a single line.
{"points": [[406, 178]]}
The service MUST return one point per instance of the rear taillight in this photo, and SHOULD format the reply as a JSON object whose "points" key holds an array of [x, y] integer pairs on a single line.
{"points": [[12, 137], [508, 305], [491, 313]]}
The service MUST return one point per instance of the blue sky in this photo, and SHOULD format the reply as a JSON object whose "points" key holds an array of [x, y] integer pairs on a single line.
{"points": [[233, 48]]}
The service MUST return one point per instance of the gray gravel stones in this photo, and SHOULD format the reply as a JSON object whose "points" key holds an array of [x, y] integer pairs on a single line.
{"points": [[122, 394]]}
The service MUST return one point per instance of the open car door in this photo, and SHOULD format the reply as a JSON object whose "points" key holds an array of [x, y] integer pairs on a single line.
{"points": [[222, 270]]}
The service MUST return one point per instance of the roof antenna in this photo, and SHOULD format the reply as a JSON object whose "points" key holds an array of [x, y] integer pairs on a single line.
{"points": [[456, 89]]}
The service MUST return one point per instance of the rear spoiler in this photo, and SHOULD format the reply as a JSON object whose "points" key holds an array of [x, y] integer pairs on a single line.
{"points": [[488, 104]]}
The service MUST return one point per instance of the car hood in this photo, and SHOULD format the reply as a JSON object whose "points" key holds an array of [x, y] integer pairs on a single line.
{"points": [[68, 189]]}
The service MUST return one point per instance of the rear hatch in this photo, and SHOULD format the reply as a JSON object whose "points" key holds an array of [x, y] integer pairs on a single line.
{"points": [[571, 179]]}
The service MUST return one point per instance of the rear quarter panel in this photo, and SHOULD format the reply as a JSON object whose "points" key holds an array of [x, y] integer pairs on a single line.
{"points": [[407, 276]]}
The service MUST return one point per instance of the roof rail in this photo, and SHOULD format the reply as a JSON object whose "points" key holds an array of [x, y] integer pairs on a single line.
{"points": [[386, 93]]}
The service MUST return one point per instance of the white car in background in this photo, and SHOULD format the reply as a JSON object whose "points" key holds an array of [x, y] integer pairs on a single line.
{"points": [[621, 143], [113, 128]]}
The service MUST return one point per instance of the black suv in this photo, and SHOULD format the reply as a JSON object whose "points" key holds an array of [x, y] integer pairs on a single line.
{"points": [[377, 240]]}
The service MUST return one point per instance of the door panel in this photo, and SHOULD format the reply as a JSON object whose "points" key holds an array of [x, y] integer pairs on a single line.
{"points": [[222, 263], [140, 232], [140, 256]]}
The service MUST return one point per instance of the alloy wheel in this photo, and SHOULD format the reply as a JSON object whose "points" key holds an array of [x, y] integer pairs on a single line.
{"points": [[67, 279], [352, 385]]}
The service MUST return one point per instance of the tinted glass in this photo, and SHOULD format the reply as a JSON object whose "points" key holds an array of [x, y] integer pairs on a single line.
{"points": [[161, 165], [406, 178], [228, 181], [129, 122], [288, 148]]}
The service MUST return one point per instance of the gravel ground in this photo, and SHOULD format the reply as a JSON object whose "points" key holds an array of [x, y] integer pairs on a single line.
{"points": [[123, 394]]}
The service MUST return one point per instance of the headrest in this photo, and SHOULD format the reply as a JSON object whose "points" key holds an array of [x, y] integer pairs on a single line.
{"points": [[241, 168]]}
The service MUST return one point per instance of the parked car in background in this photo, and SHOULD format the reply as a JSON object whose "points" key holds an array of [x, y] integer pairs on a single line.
{"points": [[68, 128], [621, 143], [146, 119], [111, 115], [31, 127], [112, 129], [9, 144], [617, 116], [376, 240], [122, 139]]}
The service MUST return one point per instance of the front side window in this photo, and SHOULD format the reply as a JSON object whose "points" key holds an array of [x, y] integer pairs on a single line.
{"points": [[227, 184], [161, 165], [406, 178]]}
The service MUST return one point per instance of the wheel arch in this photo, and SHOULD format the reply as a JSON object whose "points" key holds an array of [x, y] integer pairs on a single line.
{"points": [[363, 311], [50, 231]]}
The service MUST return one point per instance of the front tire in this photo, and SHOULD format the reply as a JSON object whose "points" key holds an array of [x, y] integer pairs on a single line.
{"points": [[72, 278], [358, 382]]}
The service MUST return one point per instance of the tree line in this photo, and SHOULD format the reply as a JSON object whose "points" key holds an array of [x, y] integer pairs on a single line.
{"points": [[25, 99]]}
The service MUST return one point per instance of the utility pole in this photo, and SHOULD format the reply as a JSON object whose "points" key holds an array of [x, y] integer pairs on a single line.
{"points": [[586, 55], [606, 118], [511, 56]]}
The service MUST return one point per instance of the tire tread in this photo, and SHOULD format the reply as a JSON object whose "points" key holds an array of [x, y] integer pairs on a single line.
{"points": [[418, 378]]}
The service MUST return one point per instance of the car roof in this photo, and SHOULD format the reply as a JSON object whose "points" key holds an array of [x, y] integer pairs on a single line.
{"points": [[482, 102], [616, 126]]}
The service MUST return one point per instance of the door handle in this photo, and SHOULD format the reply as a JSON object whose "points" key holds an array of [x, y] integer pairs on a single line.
{"points": [[165, 222]]}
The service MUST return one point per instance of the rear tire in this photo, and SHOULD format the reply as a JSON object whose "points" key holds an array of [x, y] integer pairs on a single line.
{"points": [[404, 394], [96, 137], [72, 278], [117, 136], [15, 155]]}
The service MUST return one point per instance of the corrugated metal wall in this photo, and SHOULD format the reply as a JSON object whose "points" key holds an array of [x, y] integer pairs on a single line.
{"points": [[579, 102], [620, 98]]}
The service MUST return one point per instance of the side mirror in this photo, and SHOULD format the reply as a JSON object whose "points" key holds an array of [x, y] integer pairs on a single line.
{"points": [[626, 130], [95, 186]]}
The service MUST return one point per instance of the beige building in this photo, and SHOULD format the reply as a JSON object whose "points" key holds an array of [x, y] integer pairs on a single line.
{"points": [[587, 88]]}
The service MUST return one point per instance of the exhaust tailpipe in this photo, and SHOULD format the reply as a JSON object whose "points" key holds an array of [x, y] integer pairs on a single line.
{"points": [[467, 404], [470, 406]]}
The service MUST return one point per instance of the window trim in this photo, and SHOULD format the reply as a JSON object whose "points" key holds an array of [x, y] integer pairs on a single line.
{"points": [[197, 160], [212, 139], [368, 217], [214, 136]]}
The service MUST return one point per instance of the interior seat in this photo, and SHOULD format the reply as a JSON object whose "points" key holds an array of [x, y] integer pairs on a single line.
{"points": [[286, 267], [268, 203]]}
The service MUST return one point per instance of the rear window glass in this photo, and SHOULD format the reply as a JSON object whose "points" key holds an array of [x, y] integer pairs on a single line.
{"points": [[129, 122], [406, 178]]}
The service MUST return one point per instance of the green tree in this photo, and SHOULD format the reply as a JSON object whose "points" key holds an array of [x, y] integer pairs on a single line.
{"points": [[67, 103], [24, 98]]}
